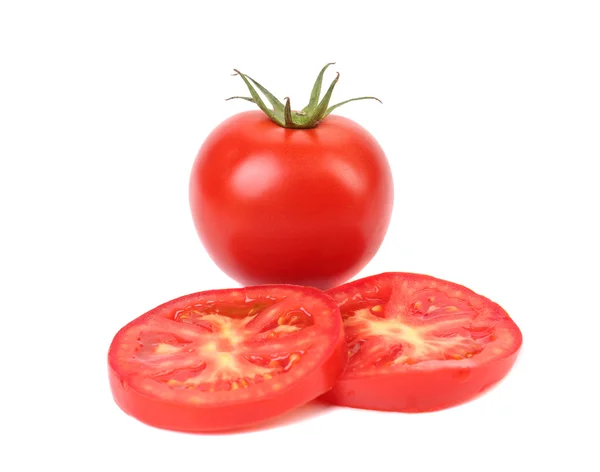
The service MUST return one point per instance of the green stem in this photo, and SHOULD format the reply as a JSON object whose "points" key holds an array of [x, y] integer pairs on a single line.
{"points": [[282, 114]]}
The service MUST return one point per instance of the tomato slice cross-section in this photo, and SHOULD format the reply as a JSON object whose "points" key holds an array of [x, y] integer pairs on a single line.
{"points": [[418, 343], [226, 359]]}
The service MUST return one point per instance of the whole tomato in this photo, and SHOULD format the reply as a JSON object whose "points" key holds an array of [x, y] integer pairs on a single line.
{"points": [[286, 197]]}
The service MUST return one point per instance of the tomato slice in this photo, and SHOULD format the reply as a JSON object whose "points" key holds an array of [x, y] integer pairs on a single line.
{"points": [[226, 359], [417, 343]]}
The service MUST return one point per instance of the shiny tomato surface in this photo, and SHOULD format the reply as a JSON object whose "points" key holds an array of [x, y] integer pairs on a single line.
{"points": [[417, 343], [294, 206], [226, 359]]}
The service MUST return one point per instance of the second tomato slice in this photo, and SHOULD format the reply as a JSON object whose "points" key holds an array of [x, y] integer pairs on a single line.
{"points": [[226, 359], [417, 343]]}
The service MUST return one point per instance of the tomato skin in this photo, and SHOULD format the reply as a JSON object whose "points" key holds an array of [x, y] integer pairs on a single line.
{"points": [[415, 391], [179, 417], [432, 385], [175, 413], [275, 205]]}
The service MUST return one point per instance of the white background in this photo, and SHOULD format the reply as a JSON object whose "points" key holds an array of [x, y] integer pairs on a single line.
{"points": [[491, 122]]}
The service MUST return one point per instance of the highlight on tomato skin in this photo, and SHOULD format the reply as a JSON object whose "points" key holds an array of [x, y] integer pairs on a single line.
{"points": [[227, 359], [417, 343]]}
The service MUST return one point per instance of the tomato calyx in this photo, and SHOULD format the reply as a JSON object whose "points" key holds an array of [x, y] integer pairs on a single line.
{"points": [[282, 114]]}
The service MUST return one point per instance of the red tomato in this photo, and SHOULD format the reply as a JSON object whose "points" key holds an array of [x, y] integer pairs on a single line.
{"points": [[298, 206], [226, 359], [416, 343]]}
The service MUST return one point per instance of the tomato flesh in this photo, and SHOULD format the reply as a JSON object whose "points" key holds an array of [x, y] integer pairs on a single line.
{"points": [[417, 343], [226, 359]]}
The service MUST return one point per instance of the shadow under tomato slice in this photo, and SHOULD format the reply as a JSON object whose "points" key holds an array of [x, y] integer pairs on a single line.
{"points": [[417, 343], [227, 359]]}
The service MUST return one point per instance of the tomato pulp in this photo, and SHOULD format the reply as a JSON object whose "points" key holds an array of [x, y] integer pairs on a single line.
{"points": [[294, 206], [226, 359], [417, 343]]}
